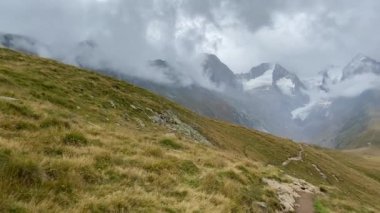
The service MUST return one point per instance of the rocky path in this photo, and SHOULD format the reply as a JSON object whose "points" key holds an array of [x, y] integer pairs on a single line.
{"points": [[305, 199], [295, 158], [304, 204], [295, 195]]}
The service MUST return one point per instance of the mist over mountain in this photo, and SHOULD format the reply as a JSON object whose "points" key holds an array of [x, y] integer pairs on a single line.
{"points": [[219, 73], [268, 97]]}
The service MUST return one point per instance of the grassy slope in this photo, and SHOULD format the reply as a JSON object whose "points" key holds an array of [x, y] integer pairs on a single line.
{"points": [[365, 159], [371, 135], [74, 141], [362, 131]]}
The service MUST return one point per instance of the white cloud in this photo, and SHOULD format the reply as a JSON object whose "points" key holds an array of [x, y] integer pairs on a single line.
{"points": [[304, 36], [348, 88], [264, 80], [286, 86]]}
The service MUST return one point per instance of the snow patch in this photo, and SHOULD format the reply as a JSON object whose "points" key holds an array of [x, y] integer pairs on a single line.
{"points": [[286, 86], [265, 79], [349, 88], [359, 65], [303, 112], [335, 74]]}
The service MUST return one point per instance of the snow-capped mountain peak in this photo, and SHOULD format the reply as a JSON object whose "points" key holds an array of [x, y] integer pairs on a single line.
{"points": [[361, 64], [330, 76], [258, 77], [258, 71], [268, 76]]}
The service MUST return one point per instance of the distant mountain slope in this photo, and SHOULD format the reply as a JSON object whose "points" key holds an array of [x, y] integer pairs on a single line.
{"points": [[203, 101], [23, 44], [207, 102], [346, 114], [345, 122], [219, 73], [363, 128], [73, 140], [271, 93], [269, 75], [360, 65]]}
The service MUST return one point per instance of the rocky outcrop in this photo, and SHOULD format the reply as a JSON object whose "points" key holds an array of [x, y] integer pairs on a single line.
{"points": [[289, 192], [172, 122]]}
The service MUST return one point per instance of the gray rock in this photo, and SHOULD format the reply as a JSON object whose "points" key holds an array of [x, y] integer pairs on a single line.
{"points": [[172, 122]]}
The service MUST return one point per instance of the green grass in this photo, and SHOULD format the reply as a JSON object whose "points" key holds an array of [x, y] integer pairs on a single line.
{"points": [[18, 126], [17, 110], [188, 167], [168, 143], [75, 139], [319, 207], [54, 122]]}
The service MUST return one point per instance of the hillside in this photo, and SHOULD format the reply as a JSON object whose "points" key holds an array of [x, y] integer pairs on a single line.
{"points": [[362, 130], [72, 140]]}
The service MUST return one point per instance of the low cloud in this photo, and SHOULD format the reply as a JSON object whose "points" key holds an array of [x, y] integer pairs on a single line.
{"points": [[349, 88], [303, 36]]}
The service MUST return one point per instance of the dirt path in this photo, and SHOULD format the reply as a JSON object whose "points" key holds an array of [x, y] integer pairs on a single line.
{"points": [[319, 171], [296, 158], [305, 203]]}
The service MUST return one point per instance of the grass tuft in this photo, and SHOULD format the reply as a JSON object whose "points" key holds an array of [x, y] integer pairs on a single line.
{"points": [[17, 110], [18, 125], [211, 183], [53, 151], [75, 139], [319, 207], [22, 170], [155, 152], [232, 175], [189, 167], [53, 122], [168, 143]]}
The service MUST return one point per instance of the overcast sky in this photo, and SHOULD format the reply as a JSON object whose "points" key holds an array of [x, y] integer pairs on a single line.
{"points": [[304, 36]]}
